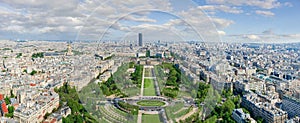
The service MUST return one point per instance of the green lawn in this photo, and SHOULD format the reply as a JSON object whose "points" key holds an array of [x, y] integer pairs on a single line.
{"points": [[159, 73], [150, 103], [149, 89], [153, 118]]}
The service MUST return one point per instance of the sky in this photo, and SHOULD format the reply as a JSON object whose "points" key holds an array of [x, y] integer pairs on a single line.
{"points": [[266, 21]]}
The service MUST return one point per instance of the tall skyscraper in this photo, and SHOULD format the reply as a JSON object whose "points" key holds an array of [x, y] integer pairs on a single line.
{"points": [[140, 39]]}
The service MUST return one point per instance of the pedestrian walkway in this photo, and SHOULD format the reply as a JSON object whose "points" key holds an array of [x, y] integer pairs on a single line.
{"points": [[142, 86], [139, 119], [187, 115]]}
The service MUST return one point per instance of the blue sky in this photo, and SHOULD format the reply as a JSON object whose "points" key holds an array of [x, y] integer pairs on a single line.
{"points": [[284, 20], [271, 21]]}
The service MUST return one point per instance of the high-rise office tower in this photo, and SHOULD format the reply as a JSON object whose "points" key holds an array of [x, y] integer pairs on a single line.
{"points": [[140, 39]]}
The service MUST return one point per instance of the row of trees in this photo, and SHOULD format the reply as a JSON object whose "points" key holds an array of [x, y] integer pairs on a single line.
{"points": [[137, 75], [110, 87], [174, 79], [212, 103], [37, 55], [10, 113], [69, 95], [202, 92], [6, 48], [119, 80], [134, 110], [224, 110], [110, 57]]}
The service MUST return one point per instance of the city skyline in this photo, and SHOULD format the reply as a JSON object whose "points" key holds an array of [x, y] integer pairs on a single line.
{"points": [[150, 61]]}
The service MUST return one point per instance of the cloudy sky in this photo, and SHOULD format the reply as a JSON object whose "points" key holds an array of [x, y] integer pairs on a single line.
{"points": [[171, 20]]}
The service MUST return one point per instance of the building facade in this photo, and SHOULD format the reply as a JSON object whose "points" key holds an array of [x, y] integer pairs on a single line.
{"points": [[34, 110], [240, 117], [259, 107], [140, 39], [291, 105]]}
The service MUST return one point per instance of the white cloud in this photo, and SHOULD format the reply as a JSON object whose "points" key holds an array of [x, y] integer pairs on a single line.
{"points": [[293, 36], [264, 13], [222, 33], [267, 36], [42, 4], [252, 37], [206, 26], [14, 28], [264, 4], [190, 24], [66, 16], [223, 8], [222, 23], [139, 19], [31, 17]]}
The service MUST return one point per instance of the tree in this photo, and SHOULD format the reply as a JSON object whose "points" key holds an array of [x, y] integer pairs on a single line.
{"points": [[173, 72], [38, 55], [148, 53], [226, 93], [202, 91], [131, 64], [10, 113], [12, 94], [46, 115], [68, 94], [105, 90], [33, 72], [7, 101], [11, 109], [228, 106], [19, 55], [194, 93], [212, 119], [260, 120], [236, 101], [172, 78]]}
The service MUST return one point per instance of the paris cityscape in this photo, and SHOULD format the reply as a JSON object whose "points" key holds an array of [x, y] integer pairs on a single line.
{"points": [[198, 61]]}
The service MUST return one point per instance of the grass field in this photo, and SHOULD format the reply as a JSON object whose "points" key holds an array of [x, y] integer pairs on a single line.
{"points": [[149, 89], [150, 103], [153, 118], [159, 73]]}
